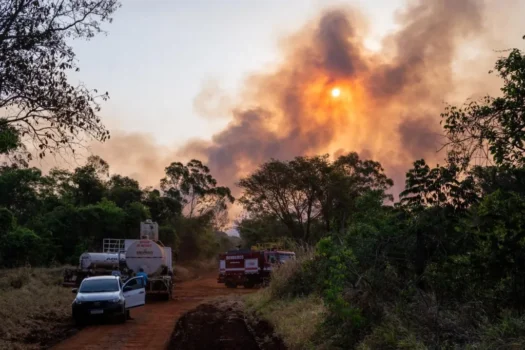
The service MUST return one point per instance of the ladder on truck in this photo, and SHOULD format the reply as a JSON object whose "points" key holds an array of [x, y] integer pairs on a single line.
{"points": [[113, 245]]}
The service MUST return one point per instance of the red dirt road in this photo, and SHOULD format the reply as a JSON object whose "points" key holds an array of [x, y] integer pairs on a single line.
{"points": [[153, 324]]}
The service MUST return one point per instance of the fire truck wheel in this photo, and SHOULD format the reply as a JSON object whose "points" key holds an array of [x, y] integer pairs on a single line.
{"points": [[249, 285], [230, 285]]}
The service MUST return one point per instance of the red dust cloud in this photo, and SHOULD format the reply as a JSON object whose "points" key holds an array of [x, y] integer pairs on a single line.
{"points": [[330, 94]]}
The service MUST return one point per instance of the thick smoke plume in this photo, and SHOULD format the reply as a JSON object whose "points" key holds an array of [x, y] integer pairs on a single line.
{"points": [[389, 103]]}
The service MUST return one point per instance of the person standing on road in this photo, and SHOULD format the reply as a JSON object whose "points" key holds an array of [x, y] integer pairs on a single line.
{"points": [[144, 275]]}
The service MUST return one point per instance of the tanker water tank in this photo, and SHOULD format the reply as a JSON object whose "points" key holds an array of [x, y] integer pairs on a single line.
{"points": [[146, 254], [106, 260]]}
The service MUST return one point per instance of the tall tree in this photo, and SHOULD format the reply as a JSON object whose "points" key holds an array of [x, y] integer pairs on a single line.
{"points": [[309, 190], [123, 190], [88, 181], [197, 190], [286, 190], [163, 209], [19, 191], [494, 128], [35, 58], [350, 178], [438, 187]]}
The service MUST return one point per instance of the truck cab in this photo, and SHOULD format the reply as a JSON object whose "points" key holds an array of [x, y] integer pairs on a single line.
{"points": [[250, 267]]}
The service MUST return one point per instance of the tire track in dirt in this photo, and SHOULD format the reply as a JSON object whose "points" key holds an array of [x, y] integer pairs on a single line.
{"points": [[152, 324]]}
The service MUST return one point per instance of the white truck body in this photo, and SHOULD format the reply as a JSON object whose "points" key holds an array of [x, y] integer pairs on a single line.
{"points": [[147, 253], [105, 260]]}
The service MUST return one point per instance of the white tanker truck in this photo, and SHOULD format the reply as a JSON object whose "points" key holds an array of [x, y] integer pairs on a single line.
{"points": [[128, 256], [89, 261]]}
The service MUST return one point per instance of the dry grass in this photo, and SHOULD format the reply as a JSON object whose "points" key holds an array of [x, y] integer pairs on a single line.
{"points": [[284, 275], [34, 308], [190, 270], [295, 320]]}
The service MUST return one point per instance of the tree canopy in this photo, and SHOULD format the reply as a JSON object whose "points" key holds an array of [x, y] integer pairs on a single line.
{"points": [[310, 194], [36, 98], [55, 217]]}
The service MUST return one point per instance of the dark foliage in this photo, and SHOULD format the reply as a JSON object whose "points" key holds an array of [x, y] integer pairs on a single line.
{"points": [[56, 217]]}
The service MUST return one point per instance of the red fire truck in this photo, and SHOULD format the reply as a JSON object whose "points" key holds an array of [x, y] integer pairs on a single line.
{"points": [[250, 267]]}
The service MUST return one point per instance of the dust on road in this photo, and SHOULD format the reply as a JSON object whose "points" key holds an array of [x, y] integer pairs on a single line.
{"points": [[153, 324]]}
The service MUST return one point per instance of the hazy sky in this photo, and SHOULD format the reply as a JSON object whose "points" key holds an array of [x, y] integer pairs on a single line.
{"points": [[159, 53]]}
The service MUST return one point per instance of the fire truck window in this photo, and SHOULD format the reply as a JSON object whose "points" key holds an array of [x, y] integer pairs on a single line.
{"points": [[285, 257], [272, 259]]}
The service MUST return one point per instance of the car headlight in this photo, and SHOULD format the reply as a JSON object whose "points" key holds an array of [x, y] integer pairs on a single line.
{"points": [[78, 301], [116, 300]]}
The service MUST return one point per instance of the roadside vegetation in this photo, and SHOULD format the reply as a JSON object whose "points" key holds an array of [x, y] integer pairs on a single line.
{"points": [[34, 308], [442, 268]]}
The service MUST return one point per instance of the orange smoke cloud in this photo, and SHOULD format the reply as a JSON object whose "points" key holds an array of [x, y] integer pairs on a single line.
{"points": [[388, 104]]}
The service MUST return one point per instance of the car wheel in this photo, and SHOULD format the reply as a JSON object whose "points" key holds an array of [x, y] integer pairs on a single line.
{"points": [[79, 321], [124, 316]]}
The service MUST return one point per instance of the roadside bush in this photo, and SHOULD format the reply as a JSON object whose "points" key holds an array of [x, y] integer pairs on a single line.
{"points": [[295, 278], [7, 221], [21, 246], [508, 332]]}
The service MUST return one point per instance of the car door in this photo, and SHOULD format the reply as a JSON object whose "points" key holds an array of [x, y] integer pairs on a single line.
{"points": [[134, 292]]}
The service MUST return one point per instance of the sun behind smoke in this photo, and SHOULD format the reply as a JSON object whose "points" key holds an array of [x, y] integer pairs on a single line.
{"points": [[336, 92]]}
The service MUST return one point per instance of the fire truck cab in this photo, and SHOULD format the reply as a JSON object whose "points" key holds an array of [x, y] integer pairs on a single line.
{"points": [[250, 267]]}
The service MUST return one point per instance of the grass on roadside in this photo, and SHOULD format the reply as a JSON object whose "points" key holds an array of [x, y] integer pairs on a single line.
{"points": [[190, 270], [34, 308], [295, 320]]}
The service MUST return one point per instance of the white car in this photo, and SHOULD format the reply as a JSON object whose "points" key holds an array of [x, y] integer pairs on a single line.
{"points": [[107, 296]]}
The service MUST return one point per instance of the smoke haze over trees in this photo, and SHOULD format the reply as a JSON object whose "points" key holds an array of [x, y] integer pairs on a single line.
{"points": [[441, 268], [389, 105]]}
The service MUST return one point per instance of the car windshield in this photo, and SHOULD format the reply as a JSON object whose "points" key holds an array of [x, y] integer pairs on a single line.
{"points": [[99, 286]]}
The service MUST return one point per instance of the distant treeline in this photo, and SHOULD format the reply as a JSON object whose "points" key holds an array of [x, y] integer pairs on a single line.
{"points": [[53, 218]]}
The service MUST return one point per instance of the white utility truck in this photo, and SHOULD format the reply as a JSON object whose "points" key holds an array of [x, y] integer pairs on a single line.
{"points": [[126, 257]]}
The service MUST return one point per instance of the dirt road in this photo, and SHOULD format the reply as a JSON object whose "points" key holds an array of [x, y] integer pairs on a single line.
{"points": [[153, 324]]}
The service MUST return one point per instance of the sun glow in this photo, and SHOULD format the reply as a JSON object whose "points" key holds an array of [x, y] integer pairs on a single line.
{"points": [[336, 92]]}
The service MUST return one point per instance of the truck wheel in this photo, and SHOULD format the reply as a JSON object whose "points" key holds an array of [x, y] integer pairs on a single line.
{"points": [[230, 285], [248, 285]]}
